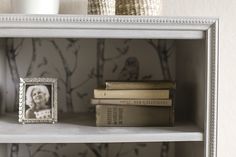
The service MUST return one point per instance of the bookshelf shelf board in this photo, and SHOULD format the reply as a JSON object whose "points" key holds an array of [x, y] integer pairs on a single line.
{"points": [[90, 33], [81, 129], [74, 26]]}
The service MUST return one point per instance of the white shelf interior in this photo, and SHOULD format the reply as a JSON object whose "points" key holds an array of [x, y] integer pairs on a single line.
{"points": [[82, 129]]}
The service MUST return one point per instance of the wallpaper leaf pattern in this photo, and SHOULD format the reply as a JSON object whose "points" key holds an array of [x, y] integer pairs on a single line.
{"points": [[81, 65]]}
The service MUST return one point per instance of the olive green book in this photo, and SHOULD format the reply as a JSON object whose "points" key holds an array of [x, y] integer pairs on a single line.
{"points": [[117, 115], [141, 94], [140, 85]]}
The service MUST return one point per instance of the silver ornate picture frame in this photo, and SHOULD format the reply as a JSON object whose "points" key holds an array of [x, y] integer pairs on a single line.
{"points": [[38, 100]]}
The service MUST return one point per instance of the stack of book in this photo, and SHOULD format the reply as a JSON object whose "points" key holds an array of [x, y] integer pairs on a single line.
{"points": [[135, 103]]}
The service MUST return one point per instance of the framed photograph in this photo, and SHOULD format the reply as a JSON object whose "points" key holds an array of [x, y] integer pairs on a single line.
{"points": [[38, 100]]}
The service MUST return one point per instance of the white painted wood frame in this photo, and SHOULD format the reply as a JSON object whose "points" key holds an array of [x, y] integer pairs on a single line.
{"points": [[73, 26]]}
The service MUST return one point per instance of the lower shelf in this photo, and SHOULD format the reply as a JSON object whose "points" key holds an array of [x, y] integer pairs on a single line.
{"points": [[82, 129]]}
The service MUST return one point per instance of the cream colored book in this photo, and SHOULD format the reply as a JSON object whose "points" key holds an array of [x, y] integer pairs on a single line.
{"points": [[140, 85], [115, 115], [135, 94], [138, 102]]}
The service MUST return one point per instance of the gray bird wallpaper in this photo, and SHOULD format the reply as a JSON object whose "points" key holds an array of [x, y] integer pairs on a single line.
{"points": [[80, 65]]}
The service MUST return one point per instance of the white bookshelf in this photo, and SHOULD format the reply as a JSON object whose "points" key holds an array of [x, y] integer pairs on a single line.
{"points": [[82, 129], [199, 43]]}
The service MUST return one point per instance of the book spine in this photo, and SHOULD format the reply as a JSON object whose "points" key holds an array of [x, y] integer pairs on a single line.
{"points": [[173, 98], [139, 102], [140, 85], [135, 94], [115, 115]]}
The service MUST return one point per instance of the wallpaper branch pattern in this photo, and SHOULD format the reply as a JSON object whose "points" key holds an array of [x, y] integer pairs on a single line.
{"points": [[108, 59], [68, 74], [164, 149], [11, 58], [163, 52], [100, 61], [33, 59], [14, 150]]}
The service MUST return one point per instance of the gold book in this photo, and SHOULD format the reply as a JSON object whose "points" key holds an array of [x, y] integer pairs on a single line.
{"points": [[138, 102], [140, 85], [116, 115], [135, 94]]}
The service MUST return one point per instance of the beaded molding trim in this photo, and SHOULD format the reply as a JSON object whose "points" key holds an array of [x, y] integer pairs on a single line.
{"points": [[213, 99], [105, 19]]}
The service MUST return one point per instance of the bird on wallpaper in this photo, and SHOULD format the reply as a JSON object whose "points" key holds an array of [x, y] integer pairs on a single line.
{"points": [[130, 71]]}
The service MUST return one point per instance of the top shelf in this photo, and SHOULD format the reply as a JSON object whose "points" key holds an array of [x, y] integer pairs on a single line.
{"points": [[74, 26]]}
